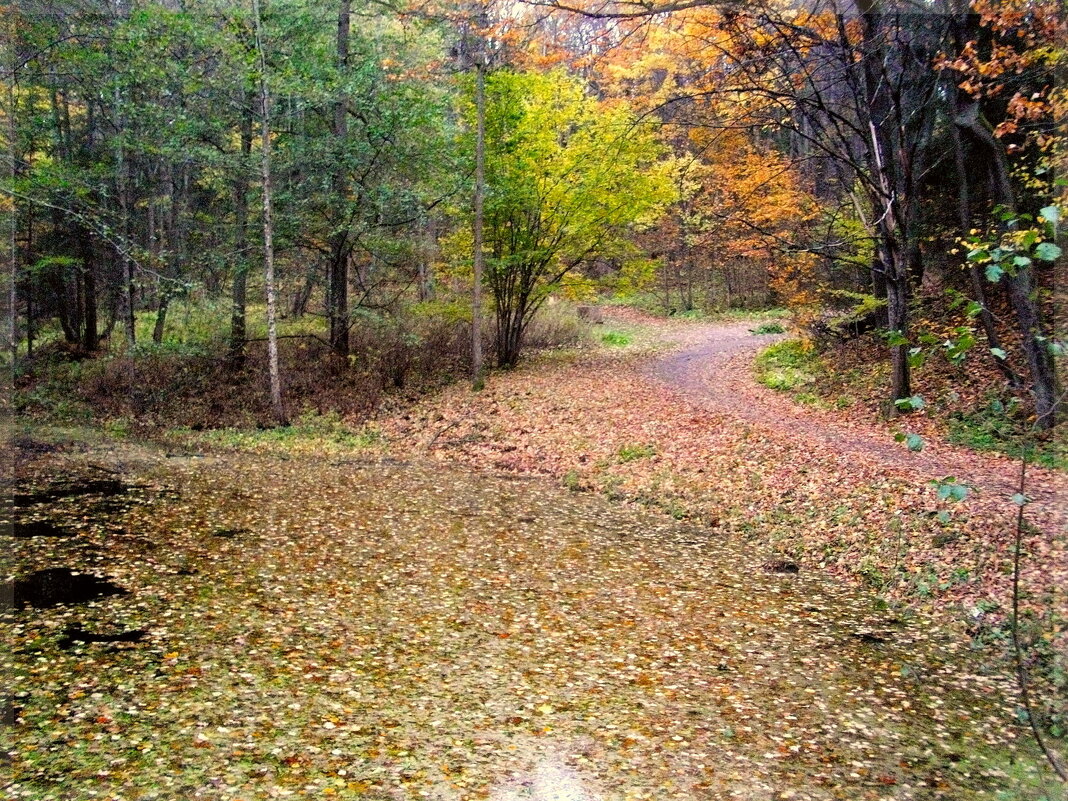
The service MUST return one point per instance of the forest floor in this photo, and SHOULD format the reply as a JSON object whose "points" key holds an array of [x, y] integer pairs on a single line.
{"points": [[677, 421], [371, 623]]}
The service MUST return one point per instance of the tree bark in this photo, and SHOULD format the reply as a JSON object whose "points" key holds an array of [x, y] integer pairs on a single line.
{"points": [[239, 295], [1020, 281], [480, 191], [303, 296], [274, 376], [161, 316], [897, 262], [89, 330], [338, 278], [964, 217], [13, 217]]}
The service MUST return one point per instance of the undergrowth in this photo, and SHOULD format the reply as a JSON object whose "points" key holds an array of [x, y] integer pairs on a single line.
{"points": [[1001, 425], [787, 366], [191, 380]]}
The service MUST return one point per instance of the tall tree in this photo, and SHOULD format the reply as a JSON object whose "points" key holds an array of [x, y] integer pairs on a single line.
{"points": [[268, 224], [338, 279], [567, 176]]}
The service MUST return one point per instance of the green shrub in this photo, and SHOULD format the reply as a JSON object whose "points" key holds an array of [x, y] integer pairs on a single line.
{"points": [[1001, 425], [555, 326], [616, 339], [787, 366], [768, 328]]}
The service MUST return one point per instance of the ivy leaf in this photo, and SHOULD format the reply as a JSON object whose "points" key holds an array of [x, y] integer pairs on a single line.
{"points": [[999, 353], [1020, 499], [914, 442], [1021, 261], [1051, 214], [994, 272], [1047, 251]]}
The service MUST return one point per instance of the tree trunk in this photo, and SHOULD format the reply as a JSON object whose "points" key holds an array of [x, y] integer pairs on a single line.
{"points": [[509, 338], [240, 288], [303, 296], [897, 262], [338, 278], [13, 219], [425, 274], [268, 228], [964, 219], [89, 330], [480, 189], [1020, 282], [161, 316]]}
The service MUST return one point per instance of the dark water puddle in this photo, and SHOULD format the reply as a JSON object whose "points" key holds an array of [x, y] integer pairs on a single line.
{"points": [[31, 445], [60, 585], [104, 487], [38, 528], [229, 533], [782, 566], [75, 634]]}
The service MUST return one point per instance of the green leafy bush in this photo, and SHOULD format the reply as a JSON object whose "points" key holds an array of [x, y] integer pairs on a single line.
{"points": [[787, 366], [1001, 425], [616, 339], [768, 328]]}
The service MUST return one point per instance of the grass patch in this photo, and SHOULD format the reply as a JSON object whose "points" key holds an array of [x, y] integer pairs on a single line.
{"points": [[310, 433], [615, 339], [787, 366], [630, 453], [770, 327], [1001, 426]]}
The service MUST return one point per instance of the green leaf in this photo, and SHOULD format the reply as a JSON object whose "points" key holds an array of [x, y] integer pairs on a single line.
{"points": [[1020, 499], [950, 490], [895, 338], [1021, 261], [1051, 214], [979, 255], [994, 272], [1047, 251], [914, 442], [974, 309], [999, 353]]}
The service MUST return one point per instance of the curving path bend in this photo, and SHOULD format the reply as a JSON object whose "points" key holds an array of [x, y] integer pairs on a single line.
{"points": [[715, 372]]}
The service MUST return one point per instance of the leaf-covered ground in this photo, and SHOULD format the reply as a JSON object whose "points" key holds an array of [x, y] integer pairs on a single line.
{"points": [[691, 432], [329, 627]]}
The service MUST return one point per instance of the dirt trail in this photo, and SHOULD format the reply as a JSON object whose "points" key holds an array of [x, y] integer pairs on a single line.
{"points": [[416, 631], [716, 373]]}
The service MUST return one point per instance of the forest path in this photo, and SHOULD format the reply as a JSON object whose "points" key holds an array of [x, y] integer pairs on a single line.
{"points": [[509, 614], [374, 629], [716, 373]]}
